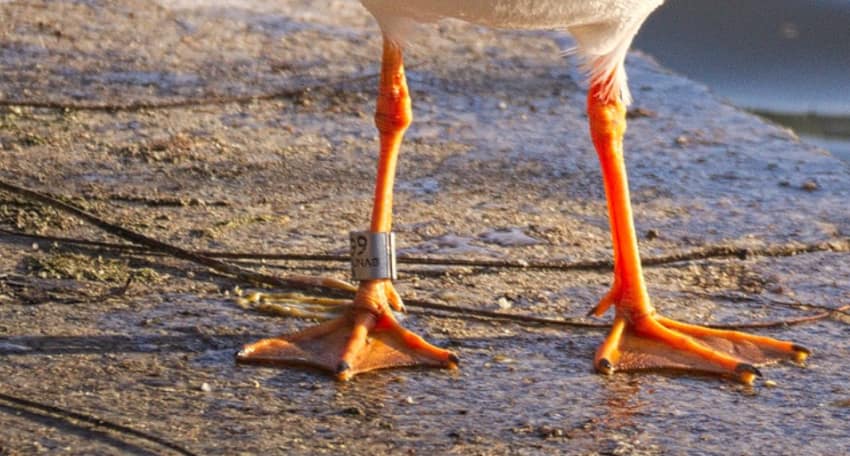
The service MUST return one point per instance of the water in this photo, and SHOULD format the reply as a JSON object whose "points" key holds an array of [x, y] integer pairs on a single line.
{"points": [[784, 59], [788, 59]]}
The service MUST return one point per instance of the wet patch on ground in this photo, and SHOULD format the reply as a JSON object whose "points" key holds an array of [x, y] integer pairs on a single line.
{"points": [[147, 341]]}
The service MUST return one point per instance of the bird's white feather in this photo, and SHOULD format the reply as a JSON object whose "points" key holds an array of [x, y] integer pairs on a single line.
{"points": [[603, 29]]}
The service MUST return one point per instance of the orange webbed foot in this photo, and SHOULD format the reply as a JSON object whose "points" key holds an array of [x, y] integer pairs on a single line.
{"points": [[366, 338], [640, 339], [654, 342]]}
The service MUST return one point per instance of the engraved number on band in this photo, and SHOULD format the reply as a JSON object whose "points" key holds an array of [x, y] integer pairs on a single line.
{"points": [[359, 242], [372, 255]]}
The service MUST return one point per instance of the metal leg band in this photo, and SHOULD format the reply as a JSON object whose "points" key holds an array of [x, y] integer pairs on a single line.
{"points": [[372, 255]]}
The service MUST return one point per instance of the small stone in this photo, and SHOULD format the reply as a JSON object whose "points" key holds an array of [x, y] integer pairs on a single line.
{"points": [[776, 288], [503, 359], [457, 434], [409, 400], [504, 303], [637, 113], [353, 411], [810, 185], [549, 432], [770, 383], [652, 234], [205, 387], [449, 296]]}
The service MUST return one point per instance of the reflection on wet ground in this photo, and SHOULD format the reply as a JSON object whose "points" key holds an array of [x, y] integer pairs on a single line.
{"points": [[498, 166]]}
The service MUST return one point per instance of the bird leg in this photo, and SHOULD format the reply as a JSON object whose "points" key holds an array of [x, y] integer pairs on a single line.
{"points": [[367, 337], [639, 338]]}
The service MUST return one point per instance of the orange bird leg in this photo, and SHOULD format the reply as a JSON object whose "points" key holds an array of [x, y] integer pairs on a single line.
{"points": [[639, 338], [368, 337]]}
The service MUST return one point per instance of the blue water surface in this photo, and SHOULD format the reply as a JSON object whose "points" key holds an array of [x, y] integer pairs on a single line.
{"points": [[788, 57]]}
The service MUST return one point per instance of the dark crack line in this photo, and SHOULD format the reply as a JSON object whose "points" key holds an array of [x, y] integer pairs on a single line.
{"points": [[302, 283], [840, 245], [154, 244], [55, 416]]}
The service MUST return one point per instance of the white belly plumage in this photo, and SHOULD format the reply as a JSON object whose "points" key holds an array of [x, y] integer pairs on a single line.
{"points": [[600, 26], [603, 28], [517, 14]]}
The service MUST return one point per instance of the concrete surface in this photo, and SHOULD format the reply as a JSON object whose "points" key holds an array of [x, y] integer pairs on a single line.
{"points": [[496, 166]]}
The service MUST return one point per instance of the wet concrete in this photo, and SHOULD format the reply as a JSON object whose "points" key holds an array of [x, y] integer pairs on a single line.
{"points": [[497, 165]]}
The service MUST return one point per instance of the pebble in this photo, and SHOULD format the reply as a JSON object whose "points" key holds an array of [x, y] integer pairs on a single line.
{"points": [[810, 185], [503, 359], [353, 411], [504, 303], [205, 387], [549, 432]]}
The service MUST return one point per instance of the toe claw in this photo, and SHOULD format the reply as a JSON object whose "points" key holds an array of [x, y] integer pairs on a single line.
{"points": [[242, 354], [343, 371], [454, 359], [342, 367], [748, 372], [605, 367], [745, 368], [801, 349], [800, 353]]}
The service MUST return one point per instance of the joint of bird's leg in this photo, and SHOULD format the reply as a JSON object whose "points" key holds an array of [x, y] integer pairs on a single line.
{"points": [[607, 123], [371, 297], [391, 124], [639, 318], [393, 113]]}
